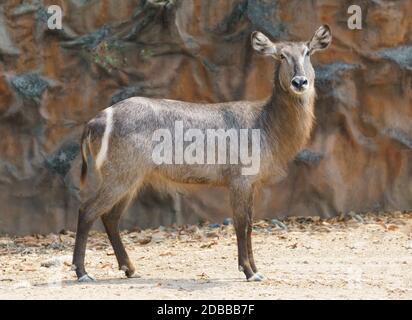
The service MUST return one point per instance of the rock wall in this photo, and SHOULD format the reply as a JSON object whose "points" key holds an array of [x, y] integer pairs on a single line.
{"points": [[53, 81]]}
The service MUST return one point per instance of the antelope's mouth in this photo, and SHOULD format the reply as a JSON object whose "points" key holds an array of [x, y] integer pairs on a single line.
{"points": [[299, 91]]}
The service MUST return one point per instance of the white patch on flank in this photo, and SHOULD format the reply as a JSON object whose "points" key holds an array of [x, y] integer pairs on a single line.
{"points": [[101, 156]]}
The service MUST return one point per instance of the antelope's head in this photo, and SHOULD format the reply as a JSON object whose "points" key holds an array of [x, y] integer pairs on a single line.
{"points": [[296, 74]]}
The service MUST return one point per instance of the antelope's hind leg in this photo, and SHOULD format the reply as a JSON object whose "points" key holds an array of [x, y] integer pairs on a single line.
{"points": [[105, 201], [111, 222], [88, 214]]}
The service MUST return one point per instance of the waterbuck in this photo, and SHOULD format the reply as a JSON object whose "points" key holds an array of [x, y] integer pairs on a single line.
{"points": [[119, 143]]}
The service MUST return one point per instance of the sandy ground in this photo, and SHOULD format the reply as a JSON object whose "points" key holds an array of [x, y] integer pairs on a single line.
{"points": [[357, 257]]}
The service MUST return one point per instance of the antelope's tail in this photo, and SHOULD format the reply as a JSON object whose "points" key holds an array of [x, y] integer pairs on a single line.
{"points": [[83, 145]]}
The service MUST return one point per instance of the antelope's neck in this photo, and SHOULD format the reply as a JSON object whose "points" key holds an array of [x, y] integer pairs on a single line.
{"points": [[290, 121]]}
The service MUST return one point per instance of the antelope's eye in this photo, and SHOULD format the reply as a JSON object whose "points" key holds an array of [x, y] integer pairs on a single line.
{"points": [[282, 56], [307, 53]]}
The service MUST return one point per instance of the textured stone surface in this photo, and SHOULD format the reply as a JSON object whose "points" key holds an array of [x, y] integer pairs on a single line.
{"points": [[51, 82]]}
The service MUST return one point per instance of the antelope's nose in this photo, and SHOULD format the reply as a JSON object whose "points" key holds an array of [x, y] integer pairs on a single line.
{"points": [[299, 82]]}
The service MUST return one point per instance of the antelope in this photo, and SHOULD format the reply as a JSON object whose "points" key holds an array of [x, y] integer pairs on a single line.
{"points": [[118, 143]]}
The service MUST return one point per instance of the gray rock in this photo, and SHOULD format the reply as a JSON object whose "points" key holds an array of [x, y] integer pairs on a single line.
{"points": [[7, 46], [401, 55], [30, 85]]}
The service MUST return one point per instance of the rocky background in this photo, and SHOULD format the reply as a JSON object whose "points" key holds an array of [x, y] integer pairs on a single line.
{"points": [[53, 81]]}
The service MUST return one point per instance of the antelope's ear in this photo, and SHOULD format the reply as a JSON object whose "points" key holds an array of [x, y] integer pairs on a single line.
{"points": [[262, 44], [321, 39]]}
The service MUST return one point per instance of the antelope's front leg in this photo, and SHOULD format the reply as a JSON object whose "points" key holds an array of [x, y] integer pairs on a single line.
{"points": [[241, 198]]}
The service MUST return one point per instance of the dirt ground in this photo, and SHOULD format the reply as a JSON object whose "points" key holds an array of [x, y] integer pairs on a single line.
{"points": [[348, 257]]}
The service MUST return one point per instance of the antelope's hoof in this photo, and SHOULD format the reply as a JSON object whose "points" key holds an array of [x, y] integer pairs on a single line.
{"points": [[86, 278], [256, 277], [261, 276], [129, 272]]}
